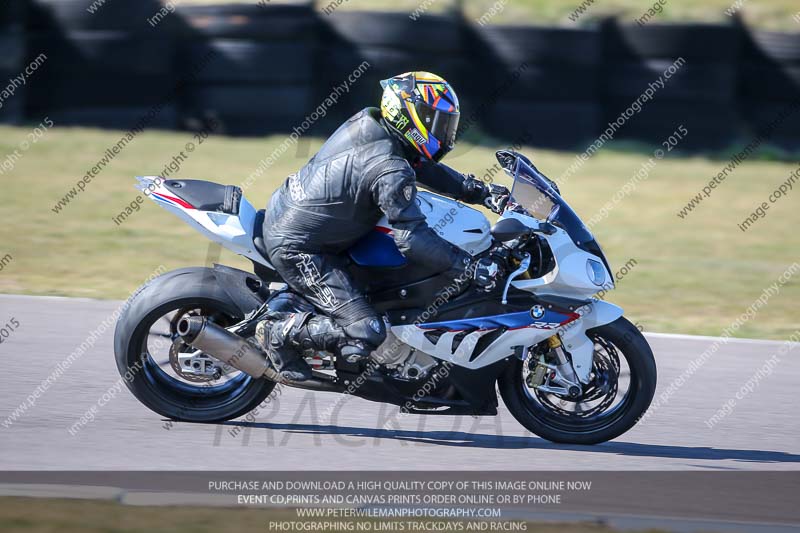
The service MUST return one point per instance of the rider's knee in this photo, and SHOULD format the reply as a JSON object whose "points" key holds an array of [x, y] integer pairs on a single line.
{"points": [[371, 331]]}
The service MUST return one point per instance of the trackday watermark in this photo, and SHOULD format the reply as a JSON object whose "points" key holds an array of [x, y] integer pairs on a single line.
{"points": [[31, 138], [696, 364], [320, 112], [631, 111], [782, 191], [21, 79], [754, 382], [64, 365]]}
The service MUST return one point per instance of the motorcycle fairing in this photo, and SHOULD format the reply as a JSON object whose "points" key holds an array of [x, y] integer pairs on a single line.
{"points": [[377, 249], [511, 341], [522, 319]]}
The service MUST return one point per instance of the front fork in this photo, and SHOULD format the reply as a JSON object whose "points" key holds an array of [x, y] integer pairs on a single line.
{"points": [[558, 378]]}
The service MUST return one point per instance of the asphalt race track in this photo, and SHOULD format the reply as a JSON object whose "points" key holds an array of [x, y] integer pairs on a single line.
{"points": [[299, 430]]}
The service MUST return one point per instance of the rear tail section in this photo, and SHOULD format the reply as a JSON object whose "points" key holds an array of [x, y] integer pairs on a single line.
{"points": [[220, 212]]}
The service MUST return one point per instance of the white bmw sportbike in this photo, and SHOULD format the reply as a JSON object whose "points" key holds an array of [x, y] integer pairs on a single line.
{"points": [[569, 367]]}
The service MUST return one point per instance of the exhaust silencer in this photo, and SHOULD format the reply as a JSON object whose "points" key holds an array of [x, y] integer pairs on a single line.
{"points": [[228, 347]]}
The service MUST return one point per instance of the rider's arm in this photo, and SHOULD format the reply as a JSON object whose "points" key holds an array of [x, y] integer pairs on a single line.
{"points": [[395, 192], [445, 180]]}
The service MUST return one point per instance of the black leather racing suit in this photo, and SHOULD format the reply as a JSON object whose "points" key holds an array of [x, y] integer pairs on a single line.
{"points": [[362, 172]]}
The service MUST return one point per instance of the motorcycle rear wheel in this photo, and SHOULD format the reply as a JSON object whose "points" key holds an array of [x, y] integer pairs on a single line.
{"points": [[603, 422], [173, 293]]}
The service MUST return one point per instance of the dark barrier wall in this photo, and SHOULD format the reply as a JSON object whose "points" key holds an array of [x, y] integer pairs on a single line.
{"points": [[12, 55], [253, 69]]}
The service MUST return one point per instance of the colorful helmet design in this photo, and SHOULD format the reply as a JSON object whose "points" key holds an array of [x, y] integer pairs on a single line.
{"points": [[424, 109]]}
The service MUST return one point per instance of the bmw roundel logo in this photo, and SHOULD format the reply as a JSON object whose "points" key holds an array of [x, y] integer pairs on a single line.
{"points": [[537, 311]]}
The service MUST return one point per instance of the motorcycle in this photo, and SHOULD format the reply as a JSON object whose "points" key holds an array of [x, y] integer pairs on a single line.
{"points": [[569, 367]]}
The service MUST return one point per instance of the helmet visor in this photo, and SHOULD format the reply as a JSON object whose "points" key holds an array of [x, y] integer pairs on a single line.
{"points": [[441, 124]]}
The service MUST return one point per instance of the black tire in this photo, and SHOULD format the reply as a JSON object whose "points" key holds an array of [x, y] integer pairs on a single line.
{"points": [[713, 82], [551, 124], [774, 46], [513, 45], [12, 51], [552, 82], [693, 42], [710, 125], [765, 81], [12, 54], [12, 12], [174, 399], [268, 22], [777, 122], [248, 101], [65, 15], [105, 53], [437, 34], [118, 118], [235, 60], [641, 362], [50, 91]]}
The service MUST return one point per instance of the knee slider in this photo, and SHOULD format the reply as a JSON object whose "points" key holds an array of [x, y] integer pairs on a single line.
{"points": [[370, 330]]}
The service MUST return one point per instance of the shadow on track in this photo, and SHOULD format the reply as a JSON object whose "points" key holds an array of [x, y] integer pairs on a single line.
{"points": [[509, 442]]}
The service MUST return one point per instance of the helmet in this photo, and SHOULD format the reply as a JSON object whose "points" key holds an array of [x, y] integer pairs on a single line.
{"points": [[423, 108]]}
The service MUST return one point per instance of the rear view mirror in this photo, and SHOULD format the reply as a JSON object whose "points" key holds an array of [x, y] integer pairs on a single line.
{"points": [[509, 229]]}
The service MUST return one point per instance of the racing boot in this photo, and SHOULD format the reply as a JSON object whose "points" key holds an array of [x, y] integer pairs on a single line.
{"points": [[275, 336]]}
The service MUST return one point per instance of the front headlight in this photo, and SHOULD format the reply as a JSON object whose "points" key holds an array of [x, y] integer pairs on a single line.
{"points": [[596, 272]]}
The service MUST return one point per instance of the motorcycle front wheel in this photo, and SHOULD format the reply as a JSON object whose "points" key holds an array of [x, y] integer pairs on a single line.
{"points": [[622, 387]]}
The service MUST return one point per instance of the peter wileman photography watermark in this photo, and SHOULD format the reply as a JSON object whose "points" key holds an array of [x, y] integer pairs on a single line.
{"points": [[174, 165], [782, 191], [64, 365], [320, 112], [31, 138], [754, 382]]}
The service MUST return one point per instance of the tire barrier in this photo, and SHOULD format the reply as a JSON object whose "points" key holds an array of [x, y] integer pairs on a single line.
{"points": [[12, 55], [697, 64], [769, 84], [255, 69], [392, 43], [103, 67], [550, 88], [258, 76]]}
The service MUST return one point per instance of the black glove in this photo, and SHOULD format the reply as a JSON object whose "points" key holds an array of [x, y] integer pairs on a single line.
{"points": [[498, 198], [486, 274], [475, 191]]}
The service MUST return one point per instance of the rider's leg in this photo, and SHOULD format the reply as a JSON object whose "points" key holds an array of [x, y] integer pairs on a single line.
{"points": [[348, 327]]}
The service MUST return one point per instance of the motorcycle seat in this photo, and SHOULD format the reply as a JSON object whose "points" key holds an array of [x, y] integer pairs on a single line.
{"points": [[207, 195]]}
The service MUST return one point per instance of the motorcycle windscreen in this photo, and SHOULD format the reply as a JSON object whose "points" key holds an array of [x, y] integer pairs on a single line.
{"points": [[542, 201]]}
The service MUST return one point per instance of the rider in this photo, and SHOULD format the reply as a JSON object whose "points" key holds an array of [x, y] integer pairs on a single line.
{"points": [[368, 168]]}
